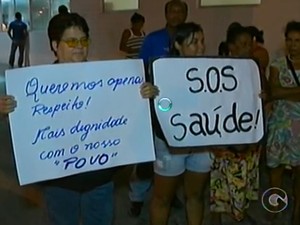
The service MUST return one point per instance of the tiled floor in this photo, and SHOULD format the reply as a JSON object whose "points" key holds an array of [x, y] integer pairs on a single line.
{"points": [[16, 203]]}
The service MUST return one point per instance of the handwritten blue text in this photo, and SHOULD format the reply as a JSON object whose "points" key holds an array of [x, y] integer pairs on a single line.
{"points": [[85, 129], [47, 133], [35, 89], [116, 82], [72, 104]]}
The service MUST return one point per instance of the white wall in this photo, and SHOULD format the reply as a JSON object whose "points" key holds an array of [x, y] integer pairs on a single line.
{"points": [[106, 28]]}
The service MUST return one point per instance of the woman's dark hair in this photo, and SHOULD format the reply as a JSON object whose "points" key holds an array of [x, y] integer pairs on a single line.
{"points": [[223, 49], [234, 33], [233, 25], [136, 18], [176, 2], [292, 26], [256, 33], [62, 22], [183, 31]]}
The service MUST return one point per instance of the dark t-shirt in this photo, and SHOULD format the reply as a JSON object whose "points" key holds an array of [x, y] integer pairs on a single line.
{"points": [[84, 181], [155, 45], [19, 29]]}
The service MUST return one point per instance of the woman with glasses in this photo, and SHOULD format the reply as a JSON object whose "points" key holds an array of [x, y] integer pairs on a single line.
{"points": [[86, 198], [77, 199], [132, 38]]}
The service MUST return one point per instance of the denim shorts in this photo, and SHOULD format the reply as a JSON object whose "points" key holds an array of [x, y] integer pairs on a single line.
{"points": [[168, 164]]}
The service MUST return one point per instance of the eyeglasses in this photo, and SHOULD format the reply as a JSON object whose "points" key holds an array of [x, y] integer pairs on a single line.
{"points": [[74, 42]]}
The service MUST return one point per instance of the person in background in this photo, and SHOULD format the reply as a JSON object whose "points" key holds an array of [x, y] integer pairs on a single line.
{"points": [[194, 165], [132, 38], [283, 140], [17, 31], [62, 10], [261, 56], [156, 44], [235, 171], [259, 52], [223, 49]]}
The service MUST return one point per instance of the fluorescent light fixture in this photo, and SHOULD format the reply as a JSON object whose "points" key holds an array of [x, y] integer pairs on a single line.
{"points": [[228, 2]]}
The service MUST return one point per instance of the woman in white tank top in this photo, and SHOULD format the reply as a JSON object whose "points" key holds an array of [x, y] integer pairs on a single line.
{"points": [[132, 39]]}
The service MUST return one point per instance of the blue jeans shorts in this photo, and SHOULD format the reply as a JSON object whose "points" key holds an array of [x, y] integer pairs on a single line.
{"points": [[168, 164]]}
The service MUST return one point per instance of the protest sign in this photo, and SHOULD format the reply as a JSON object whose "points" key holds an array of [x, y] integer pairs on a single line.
{"points": [[208, 101], [78, 117]]}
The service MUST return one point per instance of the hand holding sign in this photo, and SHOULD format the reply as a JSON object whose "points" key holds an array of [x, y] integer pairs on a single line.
{"points": [[210, 101], [7, 104], [148, 90]]}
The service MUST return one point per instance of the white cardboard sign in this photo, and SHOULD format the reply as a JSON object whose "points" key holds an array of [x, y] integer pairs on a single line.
{"points": [[78, 117], [208, 101]]}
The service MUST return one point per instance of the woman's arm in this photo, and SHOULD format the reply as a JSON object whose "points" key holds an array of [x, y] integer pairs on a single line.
{"points": [[278, 92], [262, 55]]}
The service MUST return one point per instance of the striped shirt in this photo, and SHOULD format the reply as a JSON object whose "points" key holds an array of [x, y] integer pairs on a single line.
{"points": [[134, 42]]}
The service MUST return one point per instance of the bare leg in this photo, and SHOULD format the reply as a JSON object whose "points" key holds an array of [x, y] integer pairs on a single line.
{"points": [[164, 189], [194, 185]]}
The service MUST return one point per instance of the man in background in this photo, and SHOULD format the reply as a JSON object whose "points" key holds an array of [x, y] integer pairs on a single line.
{"points": [[156, 44], [17, 31]]}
